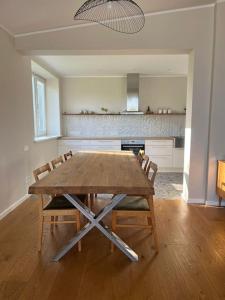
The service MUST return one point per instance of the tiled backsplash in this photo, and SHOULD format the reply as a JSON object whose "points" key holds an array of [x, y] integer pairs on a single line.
{"points": [[123, 125]]}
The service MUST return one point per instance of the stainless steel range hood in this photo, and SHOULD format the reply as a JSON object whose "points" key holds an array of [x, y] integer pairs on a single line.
{"points": [[132, 94]]}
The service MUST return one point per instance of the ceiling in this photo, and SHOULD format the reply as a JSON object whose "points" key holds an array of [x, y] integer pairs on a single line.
{"points": [[31, 15], [117, 65]]}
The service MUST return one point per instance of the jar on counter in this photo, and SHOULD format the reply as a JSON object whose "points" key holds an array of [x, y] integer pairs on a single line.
{"points": [[160, 110]]}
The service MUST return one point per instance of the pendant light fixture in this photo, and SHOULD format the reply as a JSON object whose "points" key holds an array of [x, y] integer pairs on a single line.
{"points": [[120, 15]]}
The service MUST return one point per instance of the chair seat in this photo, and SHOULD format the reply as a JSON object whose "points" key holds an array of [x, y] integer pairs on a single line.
{"points": [[135, 203], [60, 202]]}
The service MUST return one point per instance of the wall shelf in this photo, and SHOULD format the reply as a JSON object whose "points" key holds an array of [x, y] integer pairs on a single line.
{"points": [[96, 114], [110, 114]]}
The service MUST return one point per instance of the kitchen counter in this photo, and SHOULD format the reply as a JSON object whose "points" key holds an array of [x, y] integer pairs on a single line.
{"points": [[162, 150], [116, 138]]}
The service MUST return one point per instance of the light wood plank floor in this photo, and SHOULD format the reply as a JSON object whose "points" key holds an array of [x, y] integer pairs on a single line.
{"points": [[190, 265]]}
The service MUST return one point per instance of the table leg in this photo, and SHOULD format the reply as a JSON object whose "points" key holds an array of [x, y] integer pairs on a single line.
{"points": [[78, 236], [96, 221], [117, 241], [155, 236]]}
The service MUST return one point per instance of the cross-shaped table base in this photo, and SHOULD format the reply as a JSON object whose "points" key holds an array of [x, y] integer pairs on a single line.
{"points": [[96, 221]]}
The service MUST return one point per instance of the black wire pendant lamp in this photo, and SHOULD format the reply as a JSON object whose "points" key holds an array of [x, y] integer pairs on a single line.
{"points": [[120, 15]]}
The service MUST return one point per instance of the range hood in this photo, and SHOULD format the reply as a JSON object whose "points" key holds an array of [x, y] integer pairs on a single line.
{"points": [[132, 94]]}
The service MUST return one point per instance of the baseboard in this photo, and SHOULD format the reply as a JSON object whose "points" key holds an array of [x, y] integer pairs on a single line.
{"points": [[214, 203], [196, 201], [202, 201], [13, 206], [170, 170]]}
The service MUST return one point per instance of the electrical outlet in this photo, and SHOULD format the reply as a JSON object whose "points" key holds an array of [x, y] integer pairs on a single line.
{"points": [[26, 148]]}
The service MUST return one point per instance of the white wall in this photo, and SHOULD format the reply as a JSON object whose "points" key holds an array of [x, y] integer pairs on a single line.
{"points": [[187, 152], [191, 30], [217, 126], [163, 92], [16, 126], [92, 93]]}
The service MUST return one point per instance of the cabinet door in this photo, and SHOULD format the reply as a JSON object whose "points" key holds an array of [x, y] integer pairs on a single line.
{"points": [[108, 143], [159, 143], [161, 151], [101, 148], [161, 155], [162, 161], [86, 145], [178, 158]]}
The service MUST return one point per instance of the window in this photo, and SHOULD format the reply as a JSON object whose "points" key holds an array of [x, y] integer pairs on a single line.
{"points": [[39, 105], [46, 104]]}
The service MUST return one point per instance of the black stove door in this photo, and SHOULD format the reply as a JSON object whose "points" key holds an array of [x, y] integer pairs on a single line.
{"points": [[134, 148]]}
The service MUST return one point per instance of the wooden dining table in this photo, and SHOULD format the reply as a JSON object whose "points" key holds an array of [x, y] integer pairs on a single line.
{"points": [[118, 173]]}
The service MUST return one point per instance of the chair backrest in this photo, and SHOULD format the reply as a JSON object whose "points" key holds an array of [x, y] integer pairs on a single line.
{"points": [[68, 155], [152, 166], [41, 171], [140, 157], [56, 162], [146, 160]]}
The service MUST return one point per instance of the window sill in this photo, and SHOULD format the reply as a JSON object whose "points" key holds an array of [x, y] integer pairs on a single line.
{"points": [[46, 138]]}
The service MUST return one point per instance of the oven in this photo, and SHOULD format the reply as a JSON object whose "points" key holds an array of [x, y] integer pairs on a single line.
{"points": [[133, 145]]}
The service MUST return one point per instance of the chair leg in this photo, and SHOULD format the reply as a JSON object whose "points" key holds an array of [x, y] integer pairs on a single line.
{"points": [[52, 220], [56, 220], [151, 205], [149, 220], [89, 202], [113, 229], [92, 197], [41, 221], [78, 228], [220, 201], [155, 238], [86, 201]]}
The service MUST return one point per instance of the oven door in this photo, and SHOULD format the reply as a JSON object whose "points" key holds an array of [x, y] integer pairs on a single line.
{"points": [[135, 148]]}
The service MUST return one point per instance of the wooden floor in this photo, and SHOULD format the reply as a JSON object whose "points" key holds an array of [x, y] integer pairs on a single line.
{"points": [[190, 265]]}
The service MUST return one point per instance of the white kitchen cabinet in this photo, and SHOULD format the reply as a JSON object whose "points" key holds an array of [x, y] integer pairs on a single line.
{"points": [[163, 162], [178, 158], [161, 142], [161, 152], [85, 145]]}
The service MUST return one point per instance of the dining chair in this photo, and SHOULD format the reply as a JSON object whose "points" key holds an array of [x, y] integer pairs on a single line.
{"points": [[57, 161], [146, 162], [68, 155], [137, 206], [55, 164], [54, 206], [140, 157]]}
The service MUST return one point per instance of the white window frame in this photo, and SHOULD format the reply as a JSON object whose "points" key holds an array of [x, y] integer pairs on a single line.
{"points": [[38, 133]]}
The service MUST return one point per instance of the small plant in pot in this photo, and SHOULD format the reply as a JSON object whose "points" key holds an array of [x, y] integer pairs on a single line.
{"points": [[104, 110]]}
